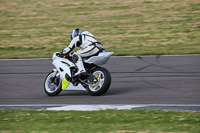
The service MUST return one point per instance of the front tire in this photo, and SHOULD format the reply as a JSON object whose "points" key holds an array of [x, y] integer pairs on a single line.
{"points": [[52, 88], [101, 83]]}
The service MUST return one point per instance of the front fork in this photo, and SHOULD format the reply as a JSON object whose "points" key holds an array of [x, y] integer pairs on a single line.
{"points": [[55, 78]]}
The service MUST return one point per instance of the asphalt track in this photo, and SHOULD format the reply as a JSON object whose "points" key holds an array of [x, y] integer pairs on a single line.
{"points": [[135, 80]]}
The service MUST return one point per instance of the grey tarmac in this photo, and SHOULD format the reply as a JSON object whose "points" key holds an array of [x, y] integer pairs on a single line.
{"points": [[135, 80]]}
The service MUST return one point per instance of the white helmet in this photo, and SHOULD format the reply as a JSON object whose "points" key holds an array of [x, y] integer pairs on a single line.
{"points": [[75, 33]]}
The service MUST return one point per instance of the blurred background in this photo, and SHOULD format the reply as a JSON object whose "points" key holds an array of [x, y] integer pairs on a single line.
{"points": [[38, 28]]}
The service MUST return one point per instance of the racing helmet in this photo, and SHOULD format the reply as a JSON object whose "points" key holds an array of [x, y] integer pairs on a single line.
{"points": [[75, 32]]}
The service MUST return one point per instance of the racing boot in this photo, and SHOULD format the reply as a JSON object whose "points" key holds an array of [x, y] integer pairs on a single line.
{"points": [[81, 68]]}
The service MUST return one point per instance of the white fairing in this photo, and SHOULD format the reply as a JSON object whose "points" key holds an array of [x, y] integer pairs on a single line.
{"points": [[63, 66], [59, 64], [101, 59]]}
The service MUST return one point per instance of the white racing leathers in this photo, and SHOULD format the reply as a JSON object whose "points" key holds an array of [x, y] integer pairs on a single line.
{"points": [[89, 46]]}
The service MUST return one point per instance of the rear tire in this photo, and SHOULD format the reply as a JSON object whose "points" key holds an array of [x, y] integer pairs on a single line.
{"points": [[51, 89], [102, 83]]}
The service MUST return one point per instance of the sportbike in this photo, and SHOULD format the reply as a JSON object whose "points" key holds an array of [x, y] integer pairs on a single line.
{"points": [[96, 80]]}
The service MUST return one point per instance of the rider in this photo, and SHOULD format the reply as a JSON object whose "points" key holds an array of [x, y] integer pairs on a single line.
{"points": [[88, 44]]}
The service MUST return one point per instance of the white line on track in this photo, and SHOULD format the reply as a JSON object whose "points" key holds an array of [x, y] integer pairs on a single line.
{"points": [[111, 57], [102, 104], [94, 107], [25, 59], [102, 107], [155, 56]]}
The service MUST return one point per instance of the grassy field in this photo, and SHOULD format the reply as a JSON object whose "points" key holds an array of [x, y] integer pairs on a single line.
{"points": [[35, 28], [108, 121]]}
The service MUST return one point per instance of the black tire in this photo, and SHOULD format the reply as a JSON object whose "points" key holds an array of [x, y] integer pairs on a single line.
{"points": [[56, 91], [106, 84]]}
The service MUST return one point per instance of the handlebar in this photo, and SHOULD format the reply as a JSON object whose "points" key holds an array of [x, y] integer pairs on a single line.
{"points": [[62, 55]]}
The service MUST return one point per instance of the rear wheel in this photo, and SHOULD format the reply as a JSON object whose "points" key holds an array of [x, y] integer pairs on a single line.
{"points": [[52, 84], [100, 83]]}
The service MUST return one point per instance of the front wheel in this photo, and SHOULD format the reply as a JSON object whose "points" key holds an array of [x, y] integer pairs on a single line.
{"points": [[100, 83], [52, 84]]}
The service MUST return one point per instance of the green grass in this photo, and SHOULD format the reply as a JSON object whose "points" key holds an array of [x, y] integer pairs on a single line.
{"points": [[126, 121], [35, 28]]}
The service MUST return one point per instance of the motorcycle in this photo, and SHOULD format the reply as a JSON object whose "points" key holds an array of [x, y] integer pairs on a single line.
{"points": [[96, 81]]}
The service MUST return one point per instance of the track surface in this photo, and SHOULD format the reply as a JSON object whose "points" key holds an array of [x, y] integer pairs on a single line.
{"points": [[135, 80]]}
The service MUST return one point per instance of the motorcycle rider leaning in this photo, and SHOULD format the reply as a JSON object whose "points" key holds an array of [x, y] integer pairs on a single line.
{"points": [[88, 44]]}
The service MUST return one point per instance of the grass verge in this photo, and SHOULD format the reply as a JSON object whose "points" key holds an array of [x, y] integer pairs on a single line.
{"points": [[31, 29], [112, 121]]}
